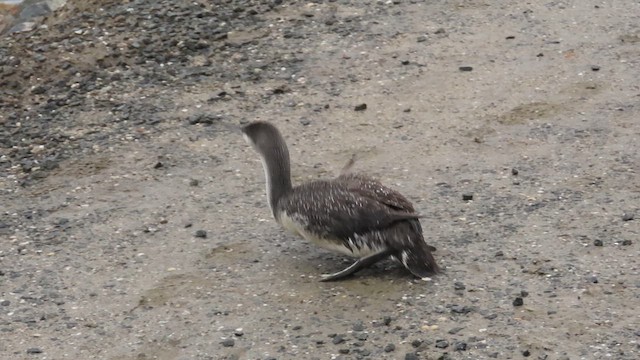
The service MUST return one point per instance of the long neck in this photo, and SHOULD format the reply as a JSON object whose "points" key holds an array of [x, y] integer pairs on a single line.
{"points": [[277, 170]]}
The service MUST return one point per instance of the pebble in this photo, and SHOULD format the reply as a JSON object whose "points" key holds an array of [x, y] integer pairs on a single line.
{"points": [[592, 279], [411, 356], [389, 348], [194, 182], [361, 107], [297, 327], [627, 216], [458, 286], [518, 301], [228, 342], [361, 336], [465, 68], [358, 326], [5, 302], [386, 320], [460, 346], [626, 242], [459, 309], [238, 332], [200, 234], [34, 350], [338, 339], [305, 121], [467, 197], [597, 242], [416, 343], [421, 38], [442, 344], [455, 330], [514, 172], [595, 68], [526, 353]]}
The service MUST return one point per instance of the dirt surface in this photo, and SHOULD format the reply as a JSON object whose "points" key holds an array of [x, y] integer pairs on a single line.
{"points": [[120, 143]]}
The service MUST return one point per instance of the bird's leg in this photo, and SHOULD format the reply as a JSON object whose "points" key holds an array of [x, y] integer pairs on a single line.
{"points": [[346, 169], [358, 265]]}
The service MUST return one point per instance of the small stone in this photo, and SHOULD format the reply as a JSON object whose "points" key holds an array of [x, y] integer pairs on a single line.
{"points": [[158, 165], [595, 68], [465, 68], [297, 327], [338, 339], [626, 242], [194, 182], [499, 253], [524, 293], [389, 348], [539, 55], [421, 38], [459, 309], [526, 353], [362, 336], [514, 171], [34, 350], [5, 302], [440, 31], [238, 332], [416, 343], [442, 344], [361, 107], [493, 355], [467, 197], [200, 234], [405, 62], [460, 346], [518, 301], [458, 286], [455, 330], [386, 320], [305, 121], [343, 351], [358, 326], [593, 279], [597, 242], [228, 343], [510, 37], [627, 217], [411, 356]]}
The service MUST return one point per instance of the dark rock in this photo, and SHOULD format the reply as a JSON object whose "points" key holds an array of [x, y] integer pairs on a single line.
{"points": [[460, 346], [592, 279], [458, 286], [5, 302], [597, 242], [338, 339], [344, 351], [524, 293], [421, 38], [194, 182], [405, 62], [455, 330], [34, 350], [459, 309], [416, 343], [510, 37], [526, 353], [514, 171], [442, 344], [595, 68], [361, 107], [200, 234], [361, 336], [305, 121], [158, 165], [389, 348], [465, 68], [358, 326], [411, 356], [467, 197], [627, 216], [386, 320], [297, 327], [228, 342], [626, 242], [518, 301]]}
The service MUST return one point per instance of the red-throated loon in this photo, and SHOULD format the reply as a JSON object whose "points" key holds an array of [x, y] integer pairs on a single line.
{"points": [[351, 214]]}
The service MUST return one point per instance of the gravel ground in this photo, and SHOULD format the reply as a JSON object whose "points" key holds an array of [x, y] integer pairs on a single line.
{"points": [[134, 223]]}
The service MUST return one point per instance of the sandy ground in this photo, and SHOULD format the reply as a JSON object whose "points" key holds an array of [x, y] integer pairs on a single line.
{"points": [[99, 211]]}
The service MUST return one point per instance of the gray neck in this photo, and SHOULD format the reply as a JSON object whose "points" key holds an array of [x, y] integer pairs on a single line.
{"points": [[277, 170]]}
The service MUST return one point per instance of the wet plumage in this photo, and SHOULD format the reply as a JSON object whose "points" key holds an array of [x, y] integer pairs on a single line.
{"points": [[351, 214]]}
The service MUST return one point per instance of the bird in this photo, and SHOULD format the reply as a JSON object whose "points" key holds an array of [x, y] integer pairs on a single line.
{"points": [[351, 214]]}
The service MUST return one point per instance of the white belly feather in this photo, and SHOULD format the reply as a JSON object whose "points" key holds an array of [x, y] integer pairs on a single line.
{"points": [[296, 227]]}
